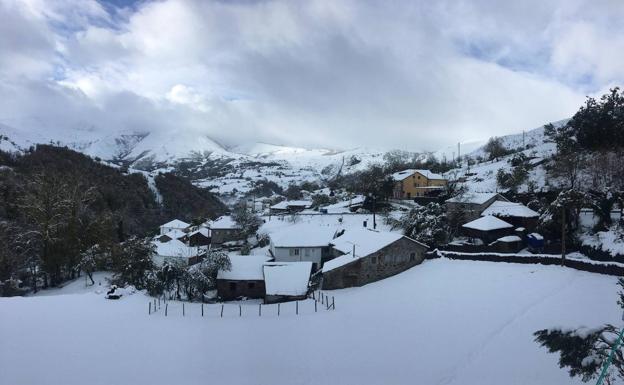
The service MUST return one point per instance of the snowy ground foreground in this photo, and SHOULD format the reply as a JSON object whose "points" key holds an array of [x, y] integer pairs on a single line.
{"points": [[443, 322]]}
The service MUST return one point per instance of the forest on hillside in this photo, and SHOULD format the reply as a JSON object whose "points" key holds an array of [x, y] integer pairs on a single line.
{"points": [[56, 205]]}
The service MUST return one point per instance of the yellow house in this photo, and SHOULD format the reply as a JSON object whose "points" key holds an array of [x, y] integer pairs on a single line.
{"points": [[417, 183]]}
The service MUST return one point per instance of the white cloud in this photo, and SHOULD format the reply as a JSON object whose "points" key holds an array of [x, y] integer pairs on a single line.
{"points": [[415, 75]]}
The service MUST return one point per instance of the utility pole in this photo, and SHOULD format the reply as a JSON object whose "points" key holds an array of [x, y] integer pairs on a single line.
{"points": [[523, 138], [374, 218], [458, 153], [563, 236]]}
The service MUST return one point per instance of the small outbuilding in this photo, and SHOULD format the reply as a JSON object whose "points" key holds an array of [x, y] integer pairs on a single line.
{"points": [[245, 279], [487, 228], [286, 281], [507, 244], [364, 256]]}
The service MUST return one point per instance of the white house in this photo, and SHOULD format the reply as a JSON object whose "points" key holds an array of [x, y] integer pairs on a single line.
{"points": [[175, 224], [302, 242], [175, 251]]}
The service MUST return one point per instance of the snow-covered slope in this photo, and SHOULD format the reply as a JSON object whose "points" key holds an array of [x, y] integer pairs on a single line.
{"points": [[481, 177], [442, 322]]}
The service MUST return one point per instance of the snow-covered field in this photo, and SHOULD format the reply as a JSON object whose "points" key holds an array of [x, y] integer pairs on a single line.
{"points": [[443, 322]]}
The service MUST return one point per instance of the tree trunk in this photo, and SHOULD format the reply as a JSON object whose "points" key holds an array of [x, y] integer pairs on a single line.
{"points": [[563, 236]]}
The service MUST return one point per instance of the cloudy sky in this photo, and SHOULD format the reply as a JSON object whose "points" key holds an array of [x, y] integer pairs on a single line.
{"points": [[394, 74]]}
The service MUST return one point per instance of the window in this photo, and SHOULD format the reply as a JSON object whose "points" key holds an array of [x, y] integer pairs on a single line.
{"points": [[308, 252], [412, 257], [232, 286], [296, 251], [293, 252]]}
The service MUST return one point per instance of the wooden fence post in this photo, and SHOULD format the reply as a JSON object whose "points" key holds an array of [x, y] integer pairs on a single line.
{"points": [[221, 310], [321, 298], [240, 311], [154, 304], [149, 309], [297, 307], [166, 306], [260, 310], [315, 306], [333, 303], [202, 309], [278, 309], [182, 309]]}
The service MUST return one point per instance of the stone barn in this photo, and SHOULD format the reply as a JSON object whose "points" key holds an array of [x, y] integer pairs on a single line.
{"points": [[244, 279], [470, 205], [364, 256]]}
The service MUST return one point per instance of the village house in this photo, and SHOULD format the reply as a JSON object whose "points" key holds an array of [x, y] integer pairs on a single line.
{"points": [[347, 206], [303, 242], [224, 229], [364, 256], [286, 281], [410, 184], [175, 224], [470, 205], [487, 228], [286, 207], [199, 237], [514, 213], [176, 251], [245, 279]]}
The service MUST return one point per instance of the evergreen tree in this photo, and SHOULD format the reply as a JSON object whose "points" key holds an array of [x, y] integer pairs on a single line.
{"points": [[584, 351]]}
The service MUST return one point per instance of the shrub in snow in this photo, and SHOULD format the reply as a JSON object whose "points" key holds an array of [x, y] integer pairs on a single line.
{"points": [[427, 224], [133, 263]]}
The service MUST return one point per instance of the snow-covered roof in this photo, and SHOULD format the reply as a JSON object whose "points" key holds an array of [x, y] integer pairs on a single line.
{"points": [[474, 197], [173, 248], [175, 233], [202, 230], [223, 223], [344, 205], [176, 224], [244, 268], [366, 242], [284, 205], [509, 209], [401, 175], [487, 223], [303, 235], [287, 278], [429, 175], [537, 236], [509, 239]]}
